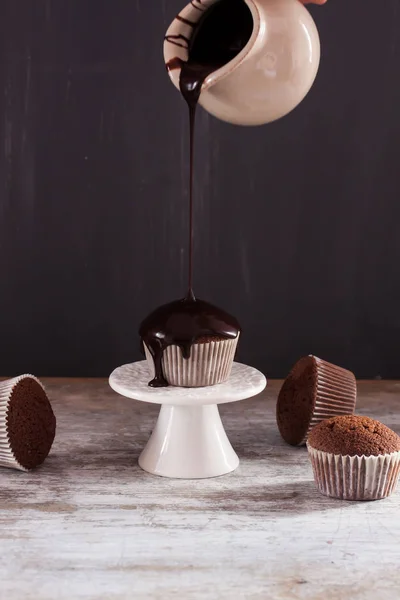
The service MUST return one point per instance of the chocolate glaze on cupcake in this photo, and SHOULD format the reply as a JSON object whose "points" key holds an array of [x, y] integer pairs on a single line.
{"points": [[27, 423], [313, 391], [189, 343], [354, 458]]}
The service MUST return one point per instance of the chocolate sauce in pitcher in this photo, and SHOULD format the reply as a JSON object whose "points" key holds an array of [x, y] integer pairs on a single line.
{"points": [[222, 32]]}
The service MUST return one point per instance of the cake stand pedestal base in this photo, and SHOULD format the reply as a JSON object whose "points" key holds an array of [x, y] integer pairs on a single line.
{"points": [[189, 439], [189, 442]]}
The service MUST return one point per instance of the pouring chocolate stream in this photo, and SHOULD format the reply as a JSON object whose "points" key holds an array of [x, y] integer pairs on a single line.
{"points": [[218, 37]]}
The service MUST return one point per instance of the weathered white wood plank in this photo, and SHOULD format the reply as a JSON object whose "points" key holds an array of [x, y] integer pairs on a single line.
{"points": [[91, 524]]}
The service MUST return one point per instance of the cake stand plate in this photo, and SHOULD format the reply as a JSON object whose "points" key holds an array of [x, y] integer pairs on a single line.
{"points": [[189, 440]]}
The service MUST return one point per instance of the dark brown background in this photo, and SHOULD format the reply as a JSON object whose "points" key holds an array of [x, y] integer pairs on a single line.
{"points": [[297, 223]]}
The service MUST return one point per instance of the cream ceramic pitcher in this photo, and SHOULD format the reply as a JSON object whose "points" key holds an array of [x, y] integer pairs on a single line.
{"points": [[269, 77]]}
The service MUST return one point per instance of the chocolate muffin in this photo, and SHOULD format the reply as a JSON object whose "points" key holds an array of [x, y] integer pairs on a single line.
{"points": [[354, 458], [313, 391], [189, 343], [28, 421]]}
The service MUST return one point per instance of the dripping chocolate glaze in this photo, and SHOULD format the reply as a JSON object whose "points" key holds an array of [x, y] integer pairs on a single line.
{"points": [[217, 38], [183, 323]]}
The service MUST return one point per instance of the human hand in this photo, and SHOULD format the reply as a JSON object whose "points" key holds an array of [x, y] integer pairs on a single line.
{"points": [[313, 1]]}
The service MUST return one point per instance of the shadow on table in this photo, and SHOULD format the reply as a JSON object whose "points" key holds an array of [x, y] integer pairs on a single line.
{"points": [[297, 497], [263, 442]]}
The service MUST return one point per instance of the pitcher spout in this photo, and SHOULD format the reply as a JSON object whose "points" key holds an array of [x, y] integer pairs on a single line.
{"points": [[185, 26]]}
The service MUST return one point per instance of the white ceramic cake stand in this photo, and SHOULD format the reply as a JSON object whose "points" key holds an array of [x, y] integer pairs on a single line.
{"points": [[189, 440]]}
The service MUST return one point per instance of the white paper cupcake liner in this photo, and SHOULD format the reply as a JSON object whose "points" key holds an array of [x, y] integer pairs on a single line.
{"points": [[336, 394], [209, 363], [7, 457], [355, 477]]}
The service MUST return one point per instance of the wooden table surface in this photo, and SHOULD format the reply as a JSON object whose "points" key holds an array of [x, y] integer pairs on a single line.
{"points": [[91, 524]]}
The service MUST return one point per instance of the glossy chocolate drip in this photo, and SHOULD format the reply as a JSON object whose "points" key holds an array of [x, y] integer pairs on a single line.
{"points": [[218, 37], [183, 323], [186, 21], [174, 63], [201, 8], [178, 40]]}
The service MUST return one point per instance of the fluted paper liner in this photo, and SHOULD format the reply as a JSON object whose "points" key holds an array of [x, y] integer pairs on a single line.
{"points": [[355, 477], [336, 394], [7, 457], [209, 363]]}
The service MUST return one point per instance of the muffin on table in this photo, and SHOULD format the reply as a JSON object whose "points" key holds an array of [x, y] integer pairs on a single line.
{"points": [[354, 458], [27, 423], [313, 391]]}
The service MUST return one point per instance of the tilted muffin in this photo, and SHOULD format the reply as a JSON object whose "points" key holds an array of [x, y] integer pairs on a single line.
{"points": [[354, 458], [27, 423], [313, 391]]}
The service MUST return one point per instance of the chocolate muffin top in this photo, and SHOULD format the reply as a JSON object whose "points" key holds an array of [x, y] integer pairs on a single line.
{"points": [[296, 401], [31, 424], [354, 435]]}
